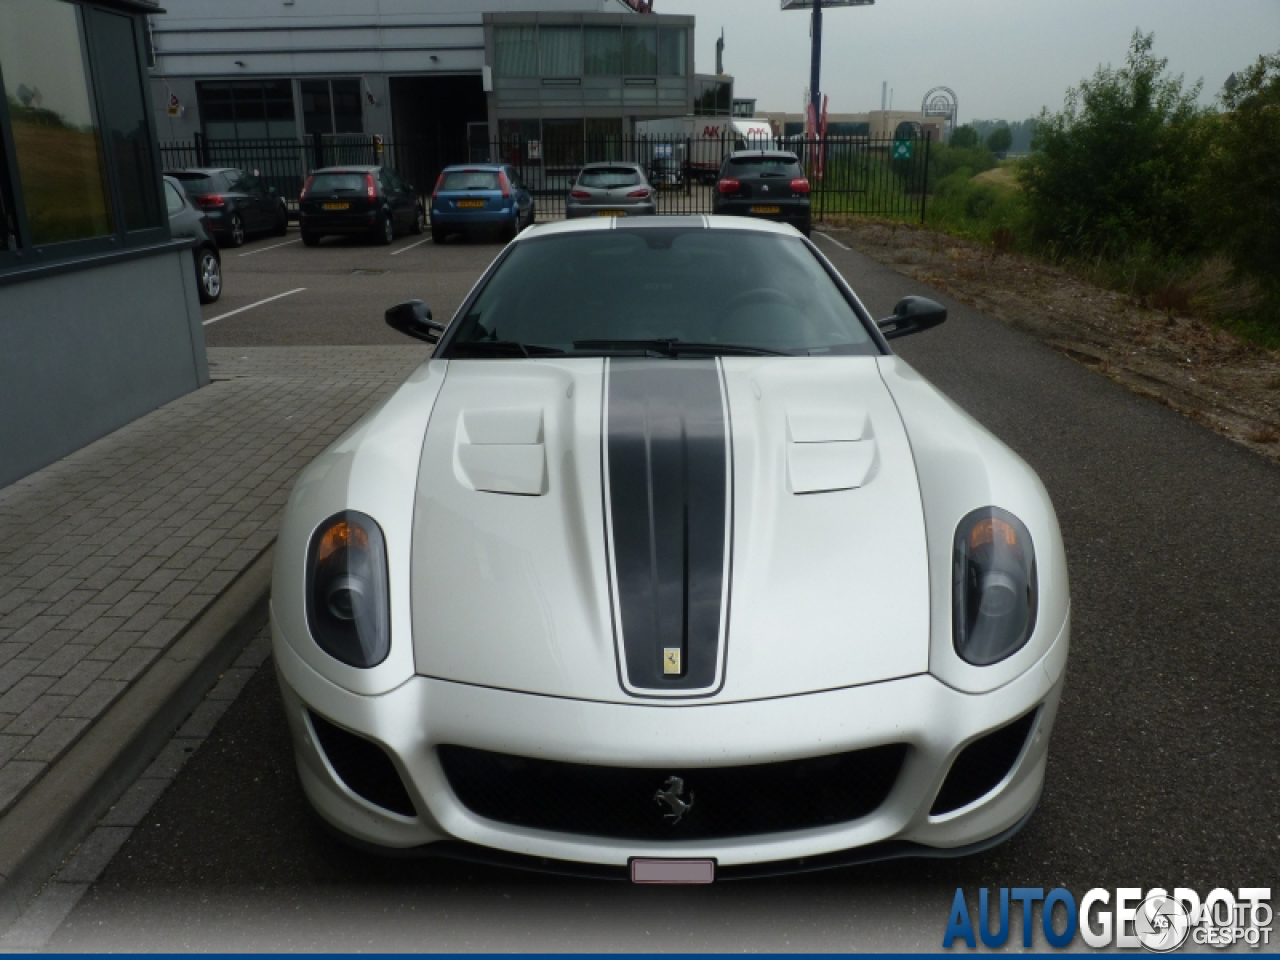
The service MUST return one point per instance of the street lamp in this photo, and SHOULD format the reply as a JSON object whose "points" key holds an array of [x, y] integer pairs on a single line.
{"points": [[815, 73]]}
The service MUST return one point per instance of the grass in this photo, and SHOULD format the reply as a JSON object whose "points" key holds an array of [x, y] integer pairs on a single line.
{"points": [[62, 181]]}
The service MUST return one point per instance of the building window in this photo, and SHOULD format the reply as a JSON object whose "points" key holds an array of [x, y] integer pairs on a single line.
{"points": [[640, 51], [124, 118], [673, 52], [516, 51], [562, 142], [604, 139], [603, 51], [56, 139], [561, 51], [247, 109], [332, 106], [713, 98], [8, 212]]}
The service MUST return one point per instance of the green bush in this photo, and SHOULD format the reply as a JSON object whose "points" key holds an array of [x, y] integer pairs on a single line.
{"points": [[983, 211], [1116, 168], [1241, 191], [945, 160], [964, 138]]}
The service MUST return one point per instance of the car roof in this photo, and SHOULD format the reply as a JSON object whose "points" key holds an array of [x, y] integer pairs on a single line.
{"points": [[478, 167], [609, 164], [349, 168], [695, 222]]}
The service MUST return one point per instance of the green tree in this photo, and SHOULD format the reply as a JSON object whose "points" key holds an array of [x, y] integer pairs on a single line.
{"points": [[1242, 199], [964, 137], [1115, 170], [1001, 139]]}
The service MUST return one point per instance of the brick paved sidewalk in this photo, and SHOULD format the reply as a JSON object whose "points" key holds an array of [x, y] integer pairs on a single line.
{"points": [[109, 555]]}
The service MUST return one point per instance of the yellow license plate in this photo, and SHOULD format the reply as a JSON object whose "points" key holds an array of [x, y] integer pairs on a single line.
{"points": [[471, 204], [766, 209], [612, 213], [337, 206]]}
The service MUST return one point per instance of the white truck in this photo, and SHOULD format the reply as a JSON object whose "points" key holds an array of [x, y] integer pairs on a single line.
{"points": [[706, 141]]}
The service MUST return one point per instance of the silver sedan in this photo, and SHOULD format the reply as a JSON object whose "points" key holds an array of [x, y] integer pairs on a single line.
{"points": [[611, 190]]}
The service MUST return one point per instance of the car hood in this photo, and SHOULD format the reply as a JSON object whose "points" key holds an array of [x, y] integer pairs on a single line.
{"points": [[668, 530]]}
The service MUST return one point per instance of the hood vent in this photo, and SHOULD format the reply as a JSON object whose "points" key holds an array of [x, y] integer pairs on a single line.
{"points": [[829, 452], [501, 451]]}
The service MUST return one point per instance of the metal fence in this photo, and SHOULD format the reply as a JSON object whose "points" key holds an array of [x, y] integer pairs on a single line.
{"points": [[848, 175]]}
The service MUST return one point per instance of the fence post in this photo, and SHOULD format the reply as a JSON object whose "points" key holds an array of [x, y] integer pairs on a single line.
{"points": [[317, 152], [924, 189], [688, 166], [199, 140]]}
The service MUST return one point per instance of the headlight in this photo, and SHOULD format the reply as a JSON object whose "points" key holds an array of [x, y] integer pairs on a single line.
{"points": [[347, 598], [993, 590]]}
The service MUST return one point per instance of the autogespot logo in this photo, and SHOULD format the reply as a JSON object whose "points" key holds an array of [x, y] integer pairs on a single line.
{"points": [[1158, 921]]}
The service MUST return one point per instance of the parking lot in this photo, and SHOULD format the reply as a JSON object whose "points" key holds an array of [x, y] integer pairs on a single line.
{"points": [[276, 292]]}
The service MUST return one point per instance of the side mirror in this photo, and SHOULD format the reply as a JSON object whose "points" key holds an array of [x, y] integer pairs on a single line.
{"points": [[413, 318], [912, 315]]}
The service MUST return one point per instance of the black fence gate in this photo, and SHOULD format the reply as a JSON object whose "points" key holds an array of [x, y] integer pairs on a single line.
{"points": [[847, 175]]}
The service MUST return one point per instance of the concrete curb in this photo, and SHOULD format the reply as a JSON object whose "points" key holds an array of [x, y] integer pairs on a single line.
{"points": [[56, 814]]}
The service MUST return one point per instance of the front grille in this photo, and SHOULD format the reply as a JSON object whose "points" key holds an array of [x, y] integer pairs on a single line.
{"points": [[982, 765], [620, 802], [363, 766]]}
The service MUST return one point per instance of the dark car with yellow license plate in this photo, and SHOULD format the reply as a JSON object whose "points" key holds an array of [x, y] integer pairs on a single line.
{"points": [[235, 202], [367, 201], [611, 190], [477, 198], [769, 184]]}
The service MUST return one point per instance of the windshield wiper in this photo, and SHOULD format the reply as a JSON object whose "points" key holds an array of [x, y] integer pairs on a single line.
{"points": [[673, 347], [505, 347]]}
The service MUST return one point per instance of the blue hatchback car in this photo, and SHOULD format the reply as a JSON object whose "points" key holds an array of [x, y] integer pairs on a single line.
{"points": [[480, 197]]}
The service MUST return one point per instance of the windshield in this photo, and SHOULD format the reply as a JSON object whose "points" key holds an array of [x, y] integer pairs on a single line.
{"points": [[729, 287], [470, 180], [199, 183], [338, 183], [609, 178], [763, 167]]}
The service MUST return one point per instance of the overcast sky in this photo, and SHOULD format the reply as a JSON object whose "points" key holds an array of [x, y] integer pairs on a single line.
{"points": [[1004, 58]]}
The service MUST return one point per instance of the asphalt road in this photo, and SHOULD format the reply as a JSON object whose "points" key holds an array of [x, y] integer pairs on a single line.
{"points": [[1163, 770]]}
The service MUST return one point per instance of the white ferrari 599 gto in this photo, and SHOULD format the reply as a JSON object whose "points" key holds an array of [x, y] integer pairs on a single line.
{"points": [[664, 566]]}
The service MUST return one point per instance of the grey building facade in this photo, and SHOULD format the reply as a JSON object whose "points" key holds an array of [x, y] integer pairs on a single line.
{"points": [[99, 318], [467, 72]]}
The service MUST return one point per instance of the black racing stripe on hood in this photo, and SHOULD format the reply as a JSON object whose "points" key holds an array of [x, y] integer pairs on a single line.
{"points": [[668, 488]]}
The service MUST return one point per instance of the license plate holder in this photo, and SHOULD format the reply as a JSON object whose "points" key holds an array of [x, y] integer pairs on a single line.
{"points": [[611, 213], [766, 210], [470, 204], [691, 871], [337, 206]]}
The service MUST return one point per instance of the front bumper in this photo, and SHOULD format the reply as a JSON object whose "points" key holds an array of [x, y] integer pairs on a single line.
{"points": [[936, 722]]}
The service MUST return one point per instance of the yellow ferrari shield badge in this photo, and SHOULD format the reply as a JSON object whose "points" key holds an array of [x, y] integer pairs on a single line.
{"points": [[671, 661]]}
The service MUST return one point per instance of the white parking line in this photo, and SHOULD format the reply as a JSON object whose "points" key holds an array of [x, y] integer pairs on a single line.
{"points": [[396, 253], [832, 239], [287, 293], [250, 253]]}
